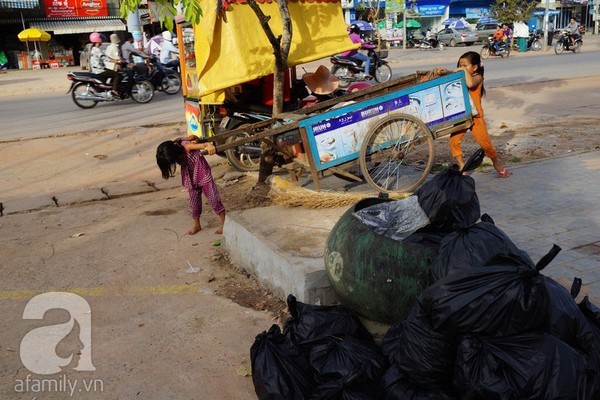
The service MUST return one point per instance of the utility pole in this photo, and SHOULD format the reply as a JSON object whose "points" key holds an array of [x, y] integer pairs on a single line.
{"points": [[596, 16], [546, 18]]}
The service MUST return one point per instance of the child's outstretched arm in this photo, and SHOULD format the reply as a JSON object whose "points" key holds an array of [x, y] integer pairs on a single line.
{"points": [[200, 146]]}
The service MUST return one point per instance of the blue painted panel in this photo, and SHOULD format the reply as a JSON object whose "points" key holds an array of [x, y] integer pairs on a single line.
{"points": [[335, 137]]}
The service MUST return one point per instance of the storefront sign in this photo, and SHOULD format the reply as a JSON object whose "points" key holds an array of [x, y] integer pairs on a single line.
{"points": [[433, 10], [476, 12], [369, 3], [75, 8], [394, 6]]}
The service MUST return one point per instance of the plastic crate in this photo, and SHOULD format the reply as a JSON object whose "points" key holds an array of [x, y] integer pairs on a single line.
{"points": [[382, 53]]}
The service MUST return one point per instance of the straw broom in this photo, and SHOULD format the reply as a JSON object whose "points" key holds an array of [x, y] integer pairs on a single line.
{"points": [[286, 194]]}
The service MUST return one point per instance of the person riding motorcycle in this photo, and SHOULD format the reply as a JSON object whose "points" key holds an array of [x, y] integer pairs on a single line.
{"points": [[98, 65], [498, 40], [431, 37], [355, 38], [167, 50], [573, 30]]}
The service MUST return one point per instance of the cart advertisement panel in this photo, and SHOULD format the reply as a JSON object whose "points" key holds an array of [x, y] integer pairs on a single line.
{"points": [[336, 137]]}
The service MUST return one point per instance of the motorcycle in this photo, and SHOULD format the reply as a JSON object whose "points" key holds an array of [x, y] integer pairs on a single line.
{"points": [[349, 69], [163, 78], [564, 43], [88, 89], [489, 49], [246, 157], [426, 44], [411, 42], [533, 42]]}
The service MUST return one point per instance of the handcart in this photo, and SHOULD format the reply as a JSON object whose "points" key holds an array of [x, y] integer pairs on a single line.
{"points": [[388, 130]]}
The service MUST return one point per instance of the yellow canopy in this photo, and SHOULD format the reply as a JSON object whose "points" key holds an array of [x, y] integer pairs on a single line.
{"points": [[34, 35], [237, 51]]}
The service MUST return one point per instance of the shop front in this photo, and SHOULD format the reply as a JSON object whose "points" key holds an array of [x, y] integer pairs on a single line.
{"points": [[69, 22]]}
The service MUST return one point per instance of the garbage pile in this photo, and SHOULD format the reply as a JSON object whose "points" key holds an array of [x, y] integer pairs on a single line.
{"points": [[489, 325]]}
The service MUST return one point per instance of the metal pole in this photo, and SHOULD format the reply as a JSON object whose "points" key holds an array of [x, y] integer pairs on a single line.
{"points": [[545, 41], [404, 38], [596, 20]]}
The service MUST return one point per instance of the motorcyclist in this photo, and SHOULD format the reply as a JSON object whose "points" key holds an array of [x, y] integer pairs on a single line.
{"points": [[498, 40], [431, 37], [355, 38], [573, 29], [128, 50], [167, 49], [97, 62]]}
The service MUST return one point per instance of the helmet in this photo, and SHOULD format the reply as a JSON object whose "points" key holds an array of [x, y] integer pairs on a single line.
{"points": [[95, 37], [167, 36], [354, 28]]}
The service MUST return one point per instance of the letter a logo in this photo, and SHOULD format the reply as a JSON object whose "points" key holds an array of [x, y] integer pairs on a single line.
{"points": [[38, 347]]}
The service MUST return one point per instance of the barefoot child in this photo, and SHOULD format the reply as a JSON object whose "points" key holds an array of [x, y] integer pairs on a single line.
{"points": [[470, 62], [196, 175]]}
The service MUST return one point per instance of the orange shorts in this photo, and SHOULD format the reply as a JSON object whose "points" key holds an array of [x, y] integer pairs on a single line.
{"points": [[481, 136]]}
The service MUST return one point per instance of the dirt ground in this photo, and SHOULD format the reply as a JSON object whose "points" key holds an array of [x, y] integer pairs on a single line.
{"points": [[172, 318]]}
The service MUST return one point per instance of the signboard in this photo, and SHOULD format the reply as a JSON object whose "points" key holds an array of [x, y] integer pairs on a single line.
{"points": [[394, 6], [75, 8], [431, 10], [336, 136], [479, 12]]}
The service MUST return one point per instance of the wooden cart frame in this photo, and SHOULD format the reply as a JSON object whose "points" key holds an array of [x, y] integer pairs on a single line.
{"points": [[387, 129]]}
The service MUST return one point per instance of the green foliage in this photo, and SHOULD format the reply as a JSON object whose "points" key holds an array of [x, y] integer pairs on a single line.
{"points": [[167, 10], [513, 10]]}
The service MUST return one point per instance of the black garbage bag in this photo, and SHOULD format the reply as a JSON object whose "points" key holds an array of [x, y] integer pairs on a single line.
{"points": [[449, 199], [310, 322], [280, 370], [567, 321], [530, 365], [475, 245], [425, 238], [332, 357], [420, 352], [349, 387], [592, 314], [495, 300], [397, 386]]}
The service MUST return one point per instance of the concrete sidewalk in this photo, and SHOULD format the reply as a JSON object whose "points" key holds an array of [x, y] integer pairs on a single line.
{"points": [[542, 203]]}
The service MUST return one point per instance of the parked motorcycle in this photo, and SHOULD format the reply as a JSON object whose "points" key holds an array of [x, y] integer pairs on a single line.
{"points": [[533, 42], [246, 157], [88, 89], [349, 69], [489, 50], [564, 43], [426, 44], [163, 78]]}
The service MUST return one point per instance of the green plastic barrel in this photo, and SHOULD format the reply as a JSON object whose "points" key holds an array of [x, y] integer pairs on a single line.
{"points": [[371, 274], [522, 43]]}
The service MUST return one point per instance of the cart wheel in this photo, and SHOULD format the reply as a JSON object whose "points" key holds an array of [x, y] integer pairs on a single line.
{"points": [[397, 154], [240, 159]]}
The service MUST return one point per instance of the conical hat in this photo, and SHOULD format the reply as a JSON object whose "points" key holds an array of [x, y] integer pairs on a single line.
{"points": [[321, 81]]}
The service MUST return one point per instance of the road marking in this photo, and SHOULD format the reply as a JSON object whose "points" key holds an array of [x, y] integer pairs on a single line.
{"points": [[101, 291]]}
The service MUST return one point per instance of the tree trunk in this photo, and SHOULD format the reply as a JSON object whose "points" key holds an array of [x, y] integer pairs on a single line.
{"points": [[281, 49]]}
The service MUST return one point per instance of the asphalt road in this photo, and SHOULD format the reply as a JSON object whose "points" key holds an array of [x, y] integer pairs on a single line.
{"points": [[55, 114], [516, 70]]}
